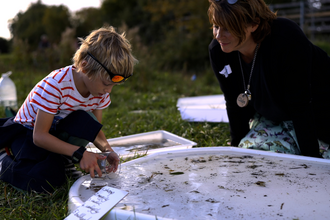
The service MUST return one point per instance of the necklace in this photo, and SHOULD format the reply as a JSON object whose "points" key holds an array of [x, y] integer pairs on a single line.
{"points": [[244, 98]]}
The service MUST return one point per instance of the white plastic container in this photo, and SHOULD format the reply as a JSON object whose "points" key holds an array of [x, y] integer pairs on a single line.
{"points": [[128, 146], [8, 95], [217, 183], [211, 108]]}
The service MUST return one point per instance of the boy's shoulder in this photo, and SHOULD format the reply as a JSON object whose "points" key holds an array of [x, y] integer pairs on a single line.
{"points": [[62, 75]]}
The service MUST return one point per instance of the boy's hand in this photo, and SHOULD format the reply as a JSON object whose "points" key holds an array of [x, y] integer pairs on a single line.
{"points": [[89, 163], [113, 160]]}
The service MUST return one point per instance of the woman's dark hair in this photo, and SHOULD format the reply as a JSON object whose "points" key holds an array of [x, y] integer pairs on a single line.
{"points": [[236, 17]]}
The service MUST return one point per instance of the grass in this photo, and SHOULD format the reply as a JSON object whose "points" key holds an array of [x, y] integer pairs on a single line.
{"points": [[152, 93], [16, 205]]}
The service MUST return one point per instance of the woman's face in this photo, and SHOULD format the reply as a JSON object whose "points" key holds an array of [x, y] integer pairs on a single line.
{"points": [[229, 42]]}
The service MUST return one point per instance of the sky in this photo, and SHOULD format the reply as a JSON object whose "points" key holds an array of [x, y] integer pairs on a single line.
{"points": [[9, 9]]}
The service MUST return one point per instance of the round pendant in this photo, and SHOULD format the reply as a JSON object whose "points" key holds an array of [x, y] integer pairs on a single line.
{"points": [[242, 100]]}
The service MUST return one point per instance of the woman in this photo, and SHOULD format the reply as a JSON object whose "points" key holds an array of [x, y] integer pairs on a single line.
{"points": [[271, 73]]}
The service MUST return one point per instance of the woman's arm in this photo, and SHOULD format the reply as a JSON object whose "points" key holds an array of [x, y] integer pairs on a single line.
{"points": [[292, 63]]}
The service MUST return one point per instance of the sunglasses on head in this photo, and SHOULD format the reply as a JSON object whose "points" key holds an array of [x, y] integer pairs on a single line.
{"points": [[114, 77], [231, 2]]}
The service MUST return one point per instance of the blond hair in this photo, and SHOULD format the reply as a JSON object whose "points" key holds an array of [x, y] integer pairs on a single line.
{"points": [[113, 50], [236, 17]]}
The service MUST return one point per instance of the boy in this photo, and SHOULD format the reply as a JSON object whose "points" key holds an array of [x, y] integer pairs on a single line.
{"points": [[63, 113]]}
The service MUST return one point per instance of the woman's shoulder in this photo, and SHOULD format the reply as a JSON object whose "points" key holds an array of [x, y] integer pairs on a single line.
{"points": [[285, 34], [283, 27], [285, 22]]}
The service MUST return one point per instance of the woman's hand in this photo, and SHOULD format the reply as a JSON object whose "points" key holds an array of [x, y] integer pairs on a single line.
{"points": [[113, 160], [89, 163]]}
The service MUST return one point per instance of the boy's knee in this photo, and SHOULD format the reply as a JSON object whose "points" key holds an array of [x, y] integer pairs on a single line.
{"points": [[80, 124]]}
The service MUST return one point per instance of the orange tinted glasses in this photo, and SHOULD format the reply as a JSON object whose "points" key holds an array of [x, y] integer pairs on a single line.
{"points": [[114, 77]]}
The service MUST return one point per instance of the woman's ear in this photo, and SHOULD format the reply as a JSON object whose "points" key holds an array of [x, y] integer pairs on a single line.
{"points": [[255, 25]]}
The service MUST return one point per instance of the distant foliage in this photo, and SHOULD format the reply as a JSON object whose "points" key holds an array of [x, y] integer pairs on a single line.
{"points": [[324, 46], [67, 46], [28, 26], [176, 32], [184, 33], [55, 20], [4, 45], [165, 34], [87, 20], [21, 51]]}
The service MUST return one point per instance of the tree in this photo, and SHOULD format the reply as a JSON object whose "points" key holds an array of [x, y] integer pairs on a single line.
{"points": [[129, 11], [38, 20], [86, 20], [176, 32], [28, 26], [55, 21], [4, 45], [183, 32]]}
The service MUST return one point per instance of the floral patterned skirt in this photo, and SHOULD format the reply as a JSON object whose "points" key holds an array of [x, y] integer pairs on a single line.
{"points": [[281, 137]]}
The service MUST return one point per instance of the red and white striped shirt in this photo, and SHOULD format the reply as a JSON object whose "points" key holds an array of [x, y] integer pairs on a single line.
{"points": [[58, 95]]}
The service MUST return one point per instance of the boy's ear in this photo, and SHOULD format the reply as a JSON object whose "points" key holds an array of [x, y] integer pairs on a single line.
{"points": [[83, 64]]}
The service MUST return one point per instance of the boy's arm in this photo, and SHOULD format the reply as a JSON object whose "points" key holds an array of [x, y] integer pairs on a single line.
{"points": [[101, 143], [42, 138]]}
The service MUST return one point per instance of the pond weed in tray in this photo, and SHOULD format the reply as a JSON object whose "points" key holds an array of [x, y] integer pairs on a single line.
{"points": [[222, 182]]}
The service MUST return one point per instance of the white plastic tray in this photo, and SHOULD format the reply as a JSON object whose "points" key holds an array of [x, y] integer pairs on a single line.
{"points": [[218, 183], [138, 143], [210, 108]]}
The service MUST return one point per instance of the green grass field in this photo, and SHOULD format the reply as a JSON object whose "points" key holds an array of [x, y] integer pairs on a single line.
{"points": [[155, 93]]}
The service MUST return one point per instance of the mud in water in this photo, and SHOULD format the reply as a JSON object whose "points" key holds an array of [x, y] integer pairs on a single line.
{"points": [[218, 186]]}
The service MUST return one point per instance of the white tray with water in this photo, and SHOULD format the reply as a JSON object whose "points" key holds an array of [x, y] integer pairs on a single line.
{"points": [[145, 143], [217, 183]]}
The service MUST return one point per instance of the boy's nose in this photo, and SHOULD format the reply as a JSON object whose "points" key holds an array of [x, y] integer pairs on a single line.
{"points": [[108, 89]]}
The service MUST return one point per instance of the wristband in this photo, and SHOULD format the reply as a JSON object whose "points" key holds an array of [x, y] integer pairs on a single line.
{"points": [[108, 151], [78, 154]]}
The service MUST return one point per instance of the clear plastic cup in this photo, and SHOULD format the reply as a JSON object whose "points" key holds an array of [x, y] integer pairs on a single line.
{"points": [[99, 182]]}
